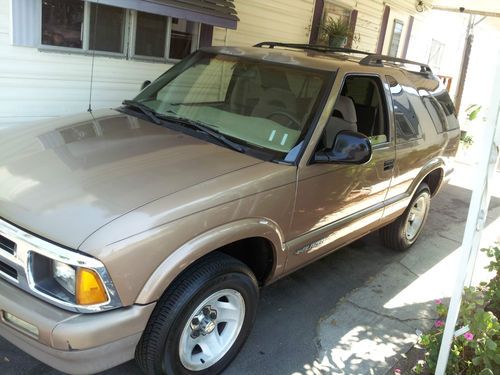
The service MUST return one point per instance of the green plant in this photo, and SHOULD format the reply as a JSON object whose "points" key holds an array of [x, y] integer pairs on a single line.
{"points": [[466, 140], [332, 28], [492, 288], [472, 111], [476, 351]]}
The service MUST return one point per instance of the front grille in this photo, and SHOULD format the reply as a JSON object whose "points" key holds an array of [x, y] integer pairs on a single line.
{"points": [[7, 245], [8, 270]]}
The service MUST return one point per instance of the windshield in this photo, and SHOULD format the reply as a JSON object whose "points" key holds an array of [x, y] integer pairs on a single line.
{"points": [[262, 105]]}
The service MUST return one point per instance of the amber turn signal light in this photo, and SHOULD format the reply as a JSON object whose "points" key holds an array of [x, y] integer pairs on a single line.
{"points": [[89, 288]]}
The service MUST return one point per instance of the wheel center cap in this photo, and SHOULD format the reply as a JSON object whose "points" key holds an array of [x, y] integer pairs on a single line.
{"points": [[209, 328], [204, 323]]}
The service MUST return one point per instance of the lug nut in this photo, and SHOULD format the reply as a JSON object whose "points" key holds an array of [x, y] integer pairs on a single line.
{"points": [[195, 321], [195, 334], [206, 311], [213, 315]]}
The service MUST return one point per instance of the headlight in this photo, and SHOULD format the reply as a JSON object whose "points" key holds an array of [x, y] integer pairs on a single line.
{"points": [[65, 275], [66, 282]]}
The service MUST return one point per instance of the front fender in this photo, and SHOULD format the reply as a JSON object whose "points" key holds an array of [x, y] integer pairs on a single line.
{"points": [[208, 242]]}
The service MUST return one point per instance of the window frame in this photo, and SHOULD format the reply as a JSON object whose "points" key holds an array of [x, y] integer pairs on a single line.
{"points": [[129, 39]]}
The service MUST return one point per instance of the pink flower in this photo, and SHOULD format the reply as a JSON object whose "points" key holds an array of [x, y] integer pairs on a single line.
{"points": [[438, 323], [468, 336], [397, 371], [438, 302]]}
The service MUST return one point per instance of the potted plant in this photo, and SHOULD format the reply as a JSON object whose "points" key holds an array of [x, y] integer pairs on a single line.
{"points": [[335, 31], [471, 113]]}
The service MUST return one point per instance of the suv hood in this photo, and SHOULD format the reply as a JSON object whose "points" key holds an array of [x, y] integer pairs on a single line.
{"points": [[65, 178]]}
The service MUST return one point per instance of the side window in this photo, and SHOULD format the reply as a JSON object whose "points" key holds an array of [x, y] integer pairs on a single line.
{"points": [[360, 107], [405, 118], [444, 100], [435, 111]]}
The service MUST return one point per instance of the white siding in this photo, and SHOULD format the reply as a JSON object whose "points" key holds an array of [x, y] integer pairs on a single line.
{"points": [[36, 85], [265, 20]]}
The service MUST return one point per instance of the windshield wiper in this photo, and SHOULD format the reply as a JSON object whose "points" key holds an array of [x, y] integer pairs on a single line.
{"points": [[203, 128], [144, 109]]}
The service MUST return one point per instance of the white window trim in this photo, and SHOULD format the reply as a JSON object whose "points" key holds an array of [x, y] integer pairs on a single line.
{"points": [[129, 35]]}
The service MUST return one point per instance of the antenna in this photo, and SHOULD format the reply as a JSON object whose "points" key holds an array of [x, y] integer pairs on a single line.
{"points": [[93, 56]]}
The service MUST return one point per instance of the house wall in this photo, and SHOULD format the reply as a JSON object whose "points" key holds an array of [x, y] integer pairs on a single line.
{"points": [[265, 20], [37, 85]]}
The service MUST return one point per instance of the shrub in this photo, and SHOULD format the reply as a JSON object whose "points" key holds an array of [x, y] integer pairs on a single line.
{"points": [[476, 351]]}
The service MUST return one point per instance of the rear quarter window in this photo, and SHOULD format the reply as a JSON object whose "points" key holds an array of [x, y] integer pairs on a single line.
{"points": [[444, 100], [435, 111]]}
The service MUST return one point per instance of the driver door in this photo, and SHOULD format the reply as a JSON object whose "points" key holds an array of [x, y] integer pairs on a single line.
{"points": [[338, 203]]}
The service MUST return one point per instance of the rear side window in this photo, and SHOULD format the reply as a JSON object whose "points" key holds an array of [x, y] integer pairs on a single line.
{"points": [[435, 111], [443, 98], [406, 120]]}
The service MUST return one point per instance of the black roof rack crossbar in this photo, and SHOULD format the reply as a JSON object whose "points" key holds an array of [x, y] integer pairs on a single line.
{"points": [[311, 47], [379, 59]]}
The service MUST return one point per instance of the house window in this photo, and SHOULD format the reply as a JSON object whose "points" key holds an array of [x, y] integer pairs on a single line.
{"points": [[107, 28], [397, 31], [151, 35], [336, 11], [435, 54], [181, 38], [80, 25], [62, 23]]}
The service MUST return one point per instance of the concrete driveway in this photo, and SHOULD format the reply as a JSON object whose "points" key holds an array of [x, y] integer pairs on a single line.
{"points": [[293, 333]]}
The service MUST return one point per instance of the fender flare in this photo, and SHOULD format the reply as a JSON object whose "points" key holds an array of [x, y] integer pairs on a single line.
{"points": [[430, 167], [208, 242]]}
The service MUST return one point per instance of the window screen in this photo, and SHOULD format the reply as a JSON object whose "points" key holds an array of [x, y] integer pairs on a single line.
{"points": [[151, 35], [107, 28], [405, 118], [62, 23], [183, 33]]}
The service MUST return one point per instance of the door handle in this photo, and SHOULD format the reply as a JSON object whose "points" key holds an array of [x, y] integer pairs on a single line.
{"points": [[388, 165]]}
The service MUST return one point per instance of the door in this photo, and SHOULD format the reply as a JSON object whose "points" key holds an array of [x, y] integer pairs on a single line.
{"points": [[337, 203]]}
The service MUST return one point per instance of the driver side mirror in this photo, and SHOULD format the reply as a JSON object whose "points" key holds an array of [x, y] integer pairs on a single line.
{"points": [[348, 148], [145, 84]]}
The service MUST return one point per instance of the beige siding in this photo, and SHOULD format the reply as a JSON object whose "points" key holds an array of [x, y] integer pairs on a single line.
{"points": [[35, 85], [370, 13], [264, 20]]}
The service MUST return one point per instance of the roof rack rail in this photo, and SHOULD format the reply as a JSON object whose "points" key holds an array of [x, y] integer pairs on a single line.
{"points": [[378, 60], [311, 47]]}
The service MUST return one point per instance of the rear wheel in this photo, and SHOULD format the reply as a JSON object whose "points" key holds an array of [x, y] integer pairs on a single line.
{"points": [[404, 231], [202, 321]]}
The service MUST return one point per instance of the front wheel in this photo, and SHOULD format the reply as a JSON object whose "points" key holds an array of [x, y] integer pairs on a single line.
{"points": [[404, 231], [202, 321]]}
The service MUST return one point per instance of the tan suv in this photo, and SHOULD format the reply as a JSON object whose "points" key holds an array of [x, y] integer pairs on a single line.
{"points": [[147, 230]]}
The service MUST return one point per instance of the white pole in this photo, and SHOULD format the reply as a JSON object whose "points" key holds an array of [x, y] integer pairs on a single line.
{"points": [[476, 219]]}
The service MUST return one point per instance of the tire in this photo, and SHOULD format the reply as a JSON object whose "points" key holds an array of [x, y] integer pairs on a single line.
{"points": [[215, 299], [405, 230]]}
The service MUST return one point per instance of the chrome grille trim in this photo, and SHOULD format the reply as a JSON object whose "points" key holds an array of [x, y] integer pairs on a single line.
{"points": [[27, 244]]}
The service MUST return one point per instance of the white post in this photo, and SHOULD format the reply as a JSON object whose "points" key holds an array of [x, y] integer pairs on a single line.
{"points": [[476, 219]]}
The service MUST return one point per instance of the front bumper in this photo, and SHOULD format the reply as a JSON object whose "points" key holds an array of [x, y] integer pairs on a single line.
{"points": [[70, 342]]}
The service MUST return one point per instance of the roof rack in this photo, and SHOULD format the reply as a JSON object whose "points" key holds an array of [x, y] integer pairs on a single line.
{"points": [[378, 60], [370, 59], [311, 47]]}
